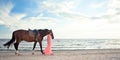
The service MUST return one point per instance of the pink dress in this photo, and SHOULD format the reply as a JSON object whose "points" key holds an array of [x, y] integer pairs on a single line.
{"points": [[48, 50]]}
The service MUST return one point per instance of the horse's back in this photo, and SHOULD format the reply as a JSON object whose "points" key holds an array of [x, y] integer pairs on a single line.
{"points": [[20, 32], [24, 35]]}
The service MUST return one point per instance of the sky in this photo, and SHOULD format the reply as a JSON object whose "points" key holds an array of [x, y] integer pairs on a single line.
{"points": [[77, 19]]}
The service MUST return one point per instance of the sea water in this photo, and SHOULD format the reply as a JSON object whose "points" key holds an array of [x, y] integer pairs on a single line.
{"points": [[67, 44]]}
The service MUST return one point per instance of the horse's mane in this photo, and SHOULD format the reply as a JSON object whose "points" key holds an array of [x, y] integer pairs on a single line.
{"points": [[43, 29]]}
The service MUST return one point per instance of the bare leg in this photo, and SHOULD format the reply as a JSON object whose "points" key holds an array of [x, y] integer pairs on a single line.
{"points": [[34, 47]]}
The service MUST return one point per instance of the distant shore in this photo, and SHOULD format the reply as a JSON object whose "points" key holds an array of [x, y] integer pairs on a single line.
{"points": [[83, 54]]}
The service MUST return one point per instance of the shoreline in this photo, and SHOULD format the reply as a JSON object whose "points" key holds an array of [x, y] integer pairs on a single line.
{"points": [[57, 49], [88, 54]]}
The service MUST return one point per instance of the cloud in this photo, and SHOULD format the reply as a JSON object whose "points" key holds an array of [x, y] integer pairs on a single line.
{"points": [[16, 21], [5, 16], [36, 23], [97, 5], [79, 26], [89, 29], [67, 23], [1, 22], [5, 8], [59, 7], [114, 7], [112, 15]]}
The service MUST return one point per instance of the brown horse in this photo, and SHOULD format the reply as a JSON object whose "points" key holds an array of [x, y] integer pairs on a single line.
{"points": [[20, 35]]}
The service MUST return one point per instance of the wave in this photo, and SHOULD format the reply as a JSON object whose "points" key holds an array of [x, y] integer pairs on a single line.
{"points": [[68, 44]]}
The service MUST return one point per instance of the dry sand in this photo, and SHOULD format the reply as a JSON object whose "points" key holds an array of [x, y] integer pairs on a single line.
{"points": [[91, 54]]}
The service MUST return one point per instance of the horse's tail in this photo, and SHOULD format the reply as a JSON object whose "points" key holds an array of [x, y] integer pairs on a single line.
{"points": [[10, 42]]}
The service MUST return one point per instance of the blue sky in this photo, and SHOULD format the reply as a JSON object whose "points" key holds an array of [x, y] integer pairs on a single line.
{"points": [[67, 18]]}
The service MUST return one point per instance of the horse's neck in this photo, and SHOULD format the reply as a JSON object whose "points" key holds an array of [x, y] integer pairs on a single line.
{"points": [[44, 35]]}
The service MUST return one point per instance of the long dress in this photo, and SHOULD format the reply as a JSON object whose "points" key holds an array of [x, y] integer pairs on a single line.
{"points": [[48, 50]]}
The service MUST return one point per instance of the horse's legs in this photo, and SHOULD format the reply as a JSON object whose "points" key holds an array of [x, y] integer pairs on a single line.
{"points": [[40, 43], [34, 47], [16, 47]]}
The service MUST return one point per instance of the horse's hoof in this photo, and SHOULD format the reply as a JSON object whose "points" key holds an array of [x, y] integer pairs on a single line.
{"points": [[18, 54], [32, 53], [43, 54]]}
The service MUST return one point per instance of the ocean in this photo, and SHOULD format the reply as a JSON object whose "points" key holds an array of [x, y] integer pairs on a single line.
{"points": [[68, 44]]}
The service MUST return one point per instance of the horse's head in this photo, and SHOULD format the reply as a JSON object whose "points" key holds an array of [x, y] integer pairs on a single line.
{"points": [[51, 33], [45, 32]]}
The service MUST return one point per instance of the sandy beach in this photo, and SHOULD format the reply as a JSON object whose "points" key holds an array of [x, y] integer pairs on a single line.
{"points": [[91, 54]]}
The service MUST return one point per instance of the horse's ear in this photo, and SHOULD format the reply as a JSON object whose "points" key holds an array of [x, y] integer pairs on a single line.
{"points": [[50, 30]]}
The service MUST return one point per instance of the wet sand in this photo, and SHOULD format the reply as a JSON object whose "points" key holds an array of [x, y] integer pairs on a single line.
{"points": [[90, 54]]}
